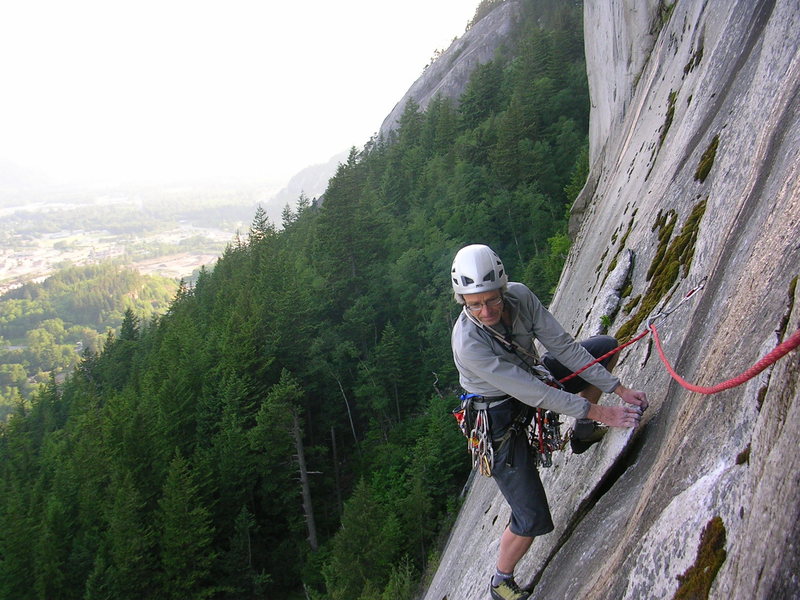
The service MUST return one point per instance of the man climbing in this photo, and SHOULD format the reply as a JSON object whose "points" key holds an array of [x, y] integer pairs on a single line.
{"points": [[494, 352]]}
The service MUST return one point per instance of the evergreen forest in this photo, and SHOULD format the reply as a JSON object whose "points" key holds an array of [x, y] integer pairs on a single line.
{"points": [[283, 430]]}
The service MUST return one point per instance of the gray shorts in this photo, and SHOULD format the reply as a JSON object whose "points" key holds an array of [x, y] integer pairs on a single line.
{"points": [[519, 483]]}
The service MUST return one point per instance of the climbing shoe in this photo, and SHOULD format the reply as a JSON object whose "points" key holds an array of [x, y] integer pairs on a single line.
{"points": [[508, 590], [585, 433]]}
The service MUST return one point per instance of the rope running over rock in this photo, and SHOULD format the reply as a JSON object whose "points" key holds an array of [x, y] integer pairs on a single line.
{"points": [[771, 358]]}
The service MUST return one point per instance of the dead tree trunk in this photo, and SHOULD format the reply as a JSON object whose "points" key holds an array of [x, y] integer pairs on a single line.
{"points": [[308, 510], [336, 471]]}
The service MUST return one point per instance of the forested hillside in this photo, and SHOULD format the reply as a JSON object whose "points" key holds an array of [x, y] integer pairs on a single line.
{"points": [[284, 430], [45, 327]]}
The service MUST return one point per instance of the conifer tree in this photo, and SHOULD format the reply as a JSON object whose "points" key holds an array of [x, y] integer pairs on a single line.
{"points": [[16, 551], [483, 94], [125, 566], [364, 549], [279, 496], [186, 536], [260, 227]]}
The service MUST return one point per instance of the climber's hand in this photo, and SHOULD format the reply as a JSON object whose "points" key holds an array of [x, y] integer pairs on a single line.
{"points": [[635, 397], [615, 416]]}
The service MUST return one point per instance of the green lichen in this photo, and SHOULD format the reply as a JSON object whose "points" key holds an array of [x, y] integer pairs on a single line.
{"points": [[669, 259], [632, 304], [673, 98], [600, 264], [662, 16], [694, 61], [627, 289], [627, 232], [614, 261], [707, 160], [665, 223], [695, 583]]}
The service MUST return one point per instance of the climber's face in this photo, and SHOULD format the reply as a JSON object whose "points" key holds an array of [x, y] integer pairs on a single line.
{"points": [[486, 306]]}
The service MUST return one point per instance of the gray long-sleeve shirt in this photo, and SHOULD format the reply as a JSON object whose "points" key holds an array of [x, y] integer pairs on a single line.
{"points": [[487, 368]]}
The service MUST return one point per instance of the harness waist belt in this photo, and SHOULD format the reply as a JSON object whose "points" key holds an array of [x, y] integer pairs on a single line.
{"points": [[489, 402]]}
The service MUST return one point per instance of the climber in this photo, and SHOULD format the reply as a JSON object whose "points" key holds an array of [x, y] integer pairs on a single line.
{"points": [[493, 349]]}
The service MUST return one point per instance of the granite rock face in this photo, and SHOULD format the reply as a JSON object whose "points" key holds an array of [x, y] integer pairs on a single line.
{"points": [[695, 178], [449, 74]]}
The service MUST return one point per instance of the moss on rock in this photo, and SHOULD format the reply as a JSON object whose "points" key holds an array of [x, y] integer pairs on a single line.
{"points": [[667, 263], [695, 583], [707, 160], [670, 115]]}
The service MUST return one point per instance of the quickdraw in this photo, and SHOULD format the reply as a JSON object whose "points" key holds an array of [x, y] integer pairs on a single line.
{"points": [[544, 434], [668, 311], [474, 424], [480, 445]]}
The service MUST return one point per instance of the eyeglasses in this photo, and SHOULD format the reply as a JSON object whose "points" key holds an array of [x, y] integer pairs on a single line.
{"points": [[476, 307]]}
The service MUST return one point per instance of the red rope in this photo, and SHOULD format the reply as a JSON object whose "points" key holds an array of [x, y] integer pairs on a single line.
{"points": [[779, 352], [605, 356]]}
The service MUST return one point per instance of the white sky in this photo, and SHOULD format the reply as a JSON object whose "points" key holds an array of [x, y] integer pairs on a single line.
{"points": [[113, 90]]}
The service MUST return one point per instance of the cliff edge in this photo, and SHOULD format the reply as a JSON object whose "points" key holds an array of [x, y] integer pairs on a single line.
{"points": [[695, 146]]}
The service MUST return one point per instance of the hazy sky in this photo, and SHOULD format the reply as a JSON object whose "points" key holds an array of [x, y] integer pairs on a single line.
{"points": [[109, 90]]}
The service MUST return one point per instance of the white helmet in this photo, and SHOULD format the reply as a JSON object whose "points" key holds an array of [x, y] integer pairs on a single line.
{"points": [[477, 269]]}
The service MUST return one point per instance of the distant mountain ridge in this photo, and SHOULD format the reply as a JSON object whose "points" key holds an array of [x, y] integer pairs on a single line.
{"points": [[447, 76], [311, 181]]}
